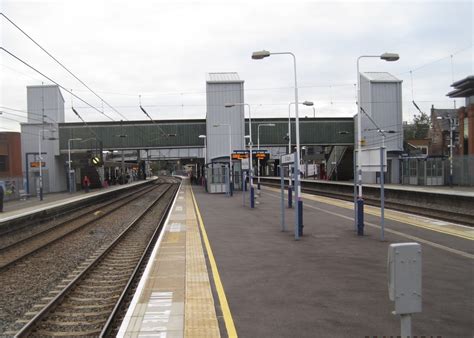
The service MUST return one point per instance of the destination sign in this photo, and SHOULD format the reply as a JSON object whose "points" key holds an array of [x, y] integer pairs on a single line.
{"points": [[36, 164]]}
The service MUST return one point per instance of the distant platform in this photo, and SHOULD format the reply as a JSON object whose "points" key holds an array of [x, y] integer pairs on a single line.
{"points": [[24, 208]]}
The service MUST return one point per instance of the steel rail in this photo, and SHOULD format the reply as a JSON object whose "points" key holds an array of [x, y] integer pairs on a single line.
{"points": [[62, 223], [108, 325], [29, 327], [4, 266]]}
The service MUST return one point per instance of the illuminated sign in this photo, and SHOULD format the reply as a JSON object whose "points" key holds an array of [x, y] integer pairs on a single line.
{"points": [[37, 164]]}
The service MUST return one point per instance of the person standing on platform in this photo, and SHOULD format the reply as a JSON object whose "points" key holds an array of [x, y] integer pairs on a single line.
{"points": [[86, 183]]}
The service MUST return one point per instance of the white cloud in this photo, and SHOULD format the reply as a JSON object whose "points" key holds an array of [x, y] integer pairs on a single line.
{"points": [[162, 50]]}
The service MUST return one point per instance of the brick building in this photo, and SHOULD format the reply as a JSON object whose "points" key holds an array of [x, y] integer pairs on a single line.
{"points": [[10, 163], [465, 88]]}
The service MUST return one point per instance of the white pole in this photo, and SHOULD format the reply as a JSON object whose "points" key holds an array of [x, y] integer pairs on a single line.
{"points": [[289, 142], [40, 166], [252, 191], [297, 183], [451, 125], [258, 159], [359, 133], [230, 160], [69, 164], [405, 323]]}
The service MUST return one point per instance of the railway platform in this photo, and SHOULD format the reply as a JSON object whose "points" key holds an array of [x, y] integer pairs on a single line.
{"points": [[18, 209], [174, 297], [225, 269]]}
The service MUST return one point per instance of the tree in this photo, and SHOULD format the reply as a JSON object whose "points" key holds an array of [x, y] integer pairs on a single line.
{"points": [[418, 130]]}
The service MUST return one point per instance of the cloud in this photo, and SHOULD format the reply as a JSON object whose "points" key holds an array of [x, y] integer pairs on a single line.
{"points": [[162, 50]]}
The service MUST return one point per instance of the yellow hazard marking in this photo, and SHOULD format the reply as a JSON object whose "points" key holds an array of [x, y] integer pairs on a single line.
{"points": [[228, 320], [401, 234], [414, 220]]}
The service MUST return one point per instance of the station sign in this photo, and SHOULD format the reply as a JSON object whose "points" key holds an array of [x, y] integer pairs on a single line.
{"points": [[260, 154], [36, 164], [240, 154], [288, 158]]}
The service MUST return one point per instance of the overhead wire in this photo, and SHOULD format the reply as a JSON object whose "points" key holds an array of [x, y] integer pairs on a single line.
{"points": [[56, 83], [62, 65]]}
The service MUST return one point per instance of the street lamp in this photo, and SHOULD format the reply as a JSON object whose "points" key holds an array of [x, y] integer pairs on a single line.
{"points": [[69, 161], [290, 195], [41, 131], [204, 137], [258, 160], [451, 130], [230, 154], [299, 214], [359, 202], [252, 191]]}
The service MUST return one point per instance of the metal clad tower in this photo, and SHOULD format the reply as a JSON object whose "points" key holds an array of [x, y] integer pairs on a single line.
{"points": [[223, 88], [381, 99], [48, 101]]}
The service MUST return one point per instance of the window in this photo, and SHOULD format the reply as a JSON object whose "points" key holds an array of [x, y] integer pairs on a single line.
{"points": [[3, 163]]}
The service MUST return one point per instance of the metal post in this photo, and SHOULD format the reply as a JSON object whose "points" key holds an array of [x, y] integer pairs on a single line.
{"points": [[355, 188], [230, 162], [297, 219], [252, 191], [258, 159], [405, 322], [451, 123], [382, 191], [290, 194], [282, 190], [360, 201], [298, 197], [244, 178], [40, 166]]}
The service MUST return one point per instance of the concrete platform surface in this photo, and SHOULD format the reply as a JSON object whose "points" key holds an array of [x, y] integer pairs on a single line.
{"points": [[333, 283], [18, 208], [174, 297]]}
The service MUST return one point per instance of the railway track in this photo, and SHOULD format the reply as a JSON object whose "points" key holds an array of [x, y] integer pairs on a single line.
{"points": [[90, 298], [26, 246], [390, 204]]}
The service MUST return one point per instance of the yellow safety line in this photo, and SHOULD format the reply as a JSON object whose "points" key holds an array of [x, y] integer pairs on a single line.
{"points": [[229, 322], [389, 214], [401, 234]]}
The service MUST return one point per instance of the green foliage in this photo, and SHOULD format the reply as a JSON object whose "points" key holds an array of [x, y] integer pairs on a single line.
{"points": [[419, 129]]}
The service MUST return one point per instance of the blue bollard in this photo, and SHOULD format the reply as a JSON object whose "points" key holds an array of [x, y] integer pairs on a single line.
{"points": [[360, 217], [252, 197], [300, 218], [290, 197]]}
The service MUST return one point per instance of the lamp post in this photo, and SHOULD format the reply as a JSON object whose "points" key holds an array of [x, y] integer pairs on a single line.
{"points": [[359, 202], [303, 153], [382, 170], [451, 130], [204, 137], [252, 191], [41, 131], [305, 103], [230, 154], [258, 160], [299, 214], [69, 161]]}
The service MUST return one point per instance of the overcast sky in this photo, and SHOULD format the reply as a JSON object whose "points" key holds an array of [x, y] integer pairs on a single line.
{"points": [[162, 50]]}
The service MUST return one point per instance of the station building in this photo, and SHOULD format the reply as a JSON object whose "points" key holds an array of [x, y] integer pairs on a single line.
{"points": [[135, 146]]}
